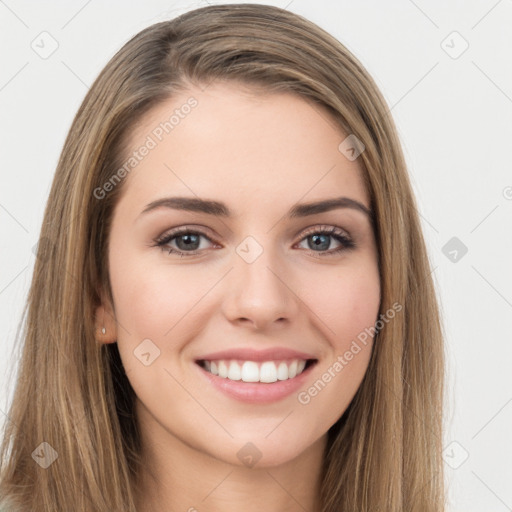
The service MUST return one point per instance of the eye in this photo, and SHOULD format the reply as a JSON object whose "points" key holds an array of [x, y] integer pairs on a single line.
{"points": [[318, 239], [188, 241]]}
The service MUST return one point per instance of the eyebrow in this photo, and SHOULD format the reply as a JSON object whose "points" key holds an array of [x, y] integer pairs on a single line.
{"points": [[220, 209]]}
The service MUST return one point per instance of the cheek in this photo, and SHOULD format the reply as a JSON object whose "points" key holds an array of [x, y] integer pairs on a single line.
{"points": [[151, 297], [161, 303], [156, 308], [348, 307], [346, 302]]}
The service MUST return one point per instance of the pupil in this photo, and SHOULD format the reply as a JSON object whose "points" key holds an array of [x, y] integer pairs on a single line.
{"points": [[318, 243]]}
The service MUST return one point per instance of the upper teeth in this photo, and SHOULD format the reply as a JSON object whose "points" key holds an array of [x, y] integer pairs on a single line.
{"points": [[250, 371]]}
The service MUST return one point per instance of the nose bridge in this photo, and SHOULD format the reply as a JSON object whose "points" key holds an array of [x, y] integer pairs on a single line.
{"points": [[257, 288]]}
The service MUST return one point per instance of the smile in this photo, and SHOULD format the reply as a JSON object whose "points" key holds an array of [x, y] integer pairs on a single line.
{"points": [[252, 371]]}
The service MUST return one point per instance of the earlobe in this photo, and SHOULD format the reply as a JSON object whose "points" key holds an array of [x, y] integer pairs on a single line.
{"points": [[105, 326]]}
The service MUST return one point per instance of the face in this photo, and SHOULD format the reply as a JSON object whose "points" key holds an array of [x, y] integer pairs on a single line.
{"points": [[253, 284]]}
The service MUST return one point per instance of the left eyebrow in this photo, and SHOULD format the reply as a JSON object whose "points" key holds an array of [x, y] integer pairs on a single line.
{"points": [[221, 210], [303, 210]]}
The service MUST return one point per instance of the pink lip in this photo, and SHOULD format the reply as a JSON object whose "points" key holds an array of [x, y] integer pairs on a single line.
{"points": [[257, 392], [247, 354]]}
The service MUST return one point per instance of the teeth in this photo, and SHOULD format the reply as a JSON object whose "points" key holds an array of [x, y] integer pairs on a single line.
{"points": [[268, 372], [223, 369], [250, 371], [282, 371], [234, 372], [292, 369]]}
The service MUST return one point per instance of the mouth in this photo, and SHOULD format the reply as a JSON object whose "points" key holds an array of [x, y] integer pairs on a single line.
{"points": [[256, 382], [256, 376], [264, 372]]}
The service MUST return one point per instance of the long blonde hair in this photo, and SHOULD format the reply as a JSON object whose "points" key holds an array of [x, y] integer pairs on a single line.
{"points": [[384, 453]]}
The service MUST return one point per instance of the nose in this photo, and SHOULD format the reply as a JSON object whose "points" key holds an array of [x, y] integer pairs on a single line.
{"points": [[260, 294]]}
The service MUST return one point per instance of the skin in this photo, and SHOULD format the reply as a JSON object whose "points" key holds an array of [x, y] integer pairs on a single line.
{"points": [[260, 154]]}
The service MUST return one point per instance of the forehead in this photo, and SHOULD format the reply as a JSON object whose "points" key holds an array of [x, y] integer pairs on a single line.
{"points": [[228, 142]]}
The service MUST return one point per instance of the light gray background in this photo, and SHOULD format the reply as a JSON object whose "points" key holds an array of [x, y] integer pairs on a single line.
{"points": [[454, 115]]}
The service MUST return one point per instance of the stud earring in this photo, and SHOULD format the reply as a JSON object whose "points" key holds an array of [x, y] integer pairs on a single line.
{"points": [[103, 330]]}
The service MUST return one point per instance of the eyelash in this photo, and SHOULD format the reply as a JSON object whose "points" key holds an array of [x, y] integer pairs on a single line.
{"points": [[347, 243]]}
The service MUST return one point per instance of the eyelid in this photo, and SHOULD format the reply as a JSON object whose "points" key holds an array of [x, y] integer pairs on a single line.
{"points": [[325, 227], [200, 230]]}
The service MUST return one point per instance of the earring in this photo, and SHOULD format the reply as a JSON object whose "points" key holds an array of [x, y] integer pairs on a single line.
{"points": [[103, 330]]}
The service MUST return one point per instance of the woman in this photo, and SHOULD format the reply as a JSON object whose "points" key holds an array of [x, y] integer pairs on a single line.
{"points": [[232, 304]]}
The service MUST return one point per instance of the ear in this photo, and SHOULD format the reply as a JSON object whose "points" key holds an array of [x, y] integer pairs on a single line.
{"points": [[105, 324]]}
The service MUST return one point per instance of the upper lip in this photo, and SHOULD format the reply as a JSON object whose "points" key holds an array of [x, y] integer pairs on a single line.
{"points": [[248, 354]]}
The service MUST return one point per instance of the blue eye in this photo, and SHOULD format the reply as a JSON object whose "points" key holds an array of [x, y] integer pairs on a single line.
{"points": [[321, 239], [188, 241]]}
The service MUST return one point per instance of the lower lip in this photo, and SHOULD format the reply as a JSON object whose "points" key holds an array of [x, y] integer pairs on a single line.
{"points": [[257, 392]]}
